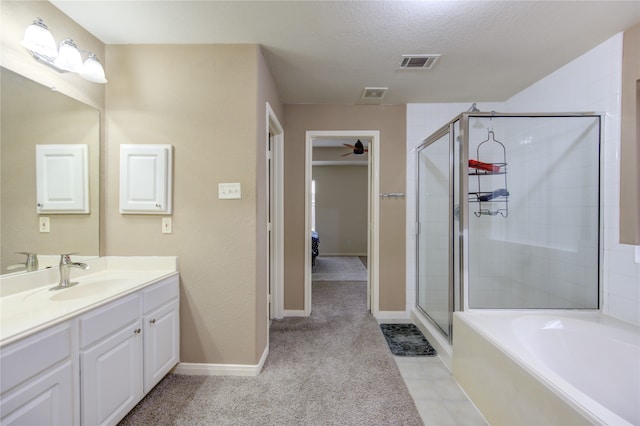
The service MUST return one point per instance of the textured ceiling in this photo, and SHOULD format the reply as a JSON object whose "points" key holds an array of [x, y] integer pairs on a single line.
{"points": [[328, 51]]}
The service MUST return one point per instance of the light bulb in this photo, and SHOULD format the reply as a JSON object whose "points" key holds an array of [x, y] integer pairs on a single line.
{"points": [[38, 39], [69, 58], [92, 70]]}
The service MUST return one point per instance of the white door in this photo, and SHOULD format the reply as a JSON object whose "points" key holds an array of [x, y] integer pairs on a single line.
{"points": [[275, 216], [269, 222]]}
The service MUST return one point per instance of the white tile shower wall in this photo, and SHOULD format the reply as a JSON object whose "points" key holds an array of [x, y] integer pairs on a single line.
{"points": [[592, 82]]}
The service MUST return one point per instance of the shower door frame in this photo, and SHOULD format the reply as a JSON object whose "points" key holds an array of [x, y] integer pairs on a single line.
{"points": [[462, 138], [434, 137], [464, 118]]}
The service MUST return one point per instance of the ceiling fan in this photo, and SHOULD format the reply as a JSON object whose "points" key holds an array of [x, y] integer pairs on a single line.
{"points": [[357, 149]]}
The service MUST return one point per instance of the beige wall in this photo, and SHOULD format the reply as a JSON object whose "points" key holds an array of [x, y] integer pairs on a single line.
{"points": [[630, 137], [202, 99], [390, 120], [341, 209]]}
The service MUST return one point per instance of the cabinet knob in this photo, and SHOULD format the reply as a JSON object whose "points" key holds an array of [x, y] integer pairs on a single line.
{"points": [[153, 321], [158, 205], [137, 331]]}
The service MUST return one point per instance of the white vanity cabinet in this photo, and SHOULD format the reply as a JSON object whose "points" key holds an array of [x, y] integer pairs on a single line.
{"points": [[126, 348], [39, 379], [111, 361], [88, 354], [161, 331]]}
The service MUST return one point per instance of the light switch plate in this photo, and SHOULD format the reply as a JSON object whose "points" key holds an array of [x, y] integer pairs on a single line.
{"points": [[167, 225], [229, 191], [44, 224]]}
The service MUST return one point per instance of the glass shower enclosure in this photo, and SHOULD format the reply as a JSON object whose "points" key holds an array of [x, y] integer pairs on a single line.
{"points": [[508, 214]]}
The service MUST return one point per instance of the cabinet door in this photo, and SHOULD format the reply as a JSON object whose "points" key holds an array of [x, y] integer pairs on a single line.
{"points": [[161, 343], [145, 179], [111, 379], [38, 378], [62, 178], [47, 399]]}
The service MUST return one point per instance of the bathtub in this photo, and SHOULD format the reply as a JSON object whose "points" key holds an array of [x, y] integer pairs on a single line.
{"points": [[548, 367]]}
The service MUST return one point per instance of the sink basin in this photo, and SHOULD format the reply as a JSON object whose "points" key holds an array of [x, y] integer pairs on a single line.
{"points": [[94, 287], [75, 292], [91, 287]]}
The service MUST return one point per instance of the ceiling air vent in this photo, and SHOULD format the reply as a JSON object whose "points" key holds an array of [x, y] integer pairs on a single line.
{"points": [[424, 62], [374, 93]]}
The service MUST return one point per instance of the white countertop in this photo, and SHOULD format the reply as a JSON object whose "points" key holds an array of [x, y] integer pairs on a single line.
{"points": [[27, 305]]}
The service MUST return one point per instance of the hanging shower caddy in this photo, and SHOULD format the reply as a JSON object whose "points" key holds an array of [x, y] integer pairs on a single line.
{"points": [[490, 168]]}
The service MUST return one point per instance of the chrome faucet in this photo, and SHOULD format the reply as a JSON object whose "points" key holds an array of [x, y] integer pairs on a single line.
{"points": [[31, 264], [32, 261], [65, 265]]}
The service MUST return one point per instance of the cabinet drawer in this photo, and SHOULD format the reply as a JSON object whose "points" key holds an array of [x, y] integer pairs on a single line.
{"points": [[33, 355], [160, 293], [108, 319]]}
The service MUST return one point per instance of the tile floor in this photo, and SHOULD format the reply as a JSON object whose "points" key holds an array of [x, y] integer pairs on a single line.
{"points": [[438, 397]]}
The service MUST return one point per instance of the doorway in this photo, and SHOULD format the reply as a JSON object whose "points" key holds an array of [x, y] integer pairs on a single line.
{"points": [[275, 215], [372, 223]]}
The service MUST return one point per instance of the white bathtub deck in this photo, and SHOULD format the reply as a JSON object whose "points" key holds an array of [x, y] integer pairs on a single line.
{"points": [[540, 367]]}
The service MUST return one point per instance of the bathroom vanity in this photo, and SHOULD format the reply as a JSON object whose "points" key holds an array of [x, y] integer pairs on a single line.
{"points": [[87, 354]]}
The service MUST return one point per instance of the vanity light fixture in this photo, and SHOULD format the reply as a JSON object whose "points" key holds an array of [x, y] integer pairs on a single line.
{"points": [[63, 57]]}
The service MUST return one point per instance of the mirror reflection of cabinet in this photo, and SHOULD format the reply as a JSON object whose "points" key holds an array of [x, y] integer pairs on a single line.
{"points": [[145, 179], [62, 179]]}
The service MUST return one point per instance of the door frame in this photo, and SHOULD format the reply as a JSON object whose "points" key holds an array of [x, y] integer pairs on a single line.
{"points": [[373, 221], [275, 191]]}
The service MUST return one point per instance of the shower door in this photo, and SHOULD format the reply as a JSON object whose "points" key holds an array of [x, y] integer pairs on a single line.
{"points": [[434, 225]]}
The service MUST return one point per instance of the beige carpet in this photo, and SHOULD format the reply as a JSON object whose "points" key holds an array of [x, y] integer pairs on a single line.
{"points": [[339, 268], [333, 368]]}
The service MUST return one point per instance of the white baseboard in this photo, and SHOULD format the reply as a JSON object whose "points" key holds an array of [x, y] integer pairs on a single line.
{"points": [[342, 254], [392, 315], [292, 313], [202, 369]]}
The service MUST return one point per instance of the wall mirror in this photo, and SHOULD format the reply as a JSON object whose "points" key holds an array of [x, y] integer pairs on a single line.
{"points": [[32, 114]]}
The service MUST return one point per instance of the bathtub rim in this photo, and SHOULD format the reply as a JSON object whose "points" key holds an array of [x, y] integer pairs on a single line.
{"points": [[576, 399]]}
